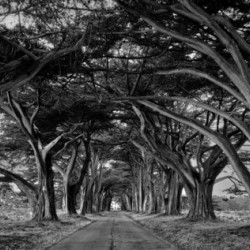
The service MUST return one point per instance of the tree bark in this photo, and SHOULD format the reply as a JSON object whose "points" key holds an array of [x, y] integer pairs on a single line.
{"points": [[140, 189], [151, 198], [135, 202], [69, 195], [70, 199], [174, 194], [126, 202], [201, 201], [107, 201], [46, 208]]}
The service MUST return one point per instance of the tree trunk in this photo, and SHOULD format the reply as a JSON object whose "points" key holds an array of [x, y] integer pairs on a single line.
{"points": [[69, 188], [163, 186], [156, 201], [151, 199], [87, 197], [145, 203], [39, 212], [90, 198], [107, 201], [126, 202], [46, 208], [50, 206], [70, 199], [76, 187], [96, 197], [136, 204], [201, 201], [174, 194], [83, 198], [140, 189], [102, 196]]}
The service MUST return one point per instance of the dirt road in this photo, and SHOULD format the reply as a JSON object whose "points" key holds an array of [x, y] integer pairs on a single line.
{"points": [[114, 231]]}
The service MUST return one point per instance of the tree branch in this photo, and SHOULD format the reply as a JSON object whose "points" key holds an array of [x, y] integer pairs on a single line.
{"points": [[36, 109], [31, 72], [233, 74], [212, 79], [19, 47], [225, 39], [221, 141]]}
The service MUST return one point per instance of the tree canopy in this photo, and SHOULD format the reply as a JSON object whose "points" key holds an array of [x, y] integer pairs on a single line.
{"points": [[161, 89]]}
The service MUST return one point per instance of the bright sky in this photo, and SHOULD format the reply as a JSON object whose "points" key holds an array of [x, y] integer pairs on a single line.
{"points": [[220, 186]]}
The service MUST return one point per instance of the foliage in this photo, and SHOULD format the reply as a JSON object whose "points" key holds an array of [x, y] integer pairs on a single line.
{"points": [[96, 72]]}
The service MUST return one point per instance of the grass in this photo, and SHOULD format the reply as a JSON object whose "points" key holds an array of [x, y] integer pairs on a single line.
{"points": [[17, 231], [230, 232], [199, 235]]}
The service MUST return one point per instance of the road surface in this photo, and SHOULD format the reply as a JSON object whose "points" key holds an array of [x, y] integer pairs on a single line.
{"points": [[114, 231]]}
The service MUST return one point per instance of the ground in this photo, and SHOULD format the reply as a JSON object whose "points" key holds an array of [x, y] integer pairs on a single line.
{"points": [[17, 231], [112, 231], [230, 231]]}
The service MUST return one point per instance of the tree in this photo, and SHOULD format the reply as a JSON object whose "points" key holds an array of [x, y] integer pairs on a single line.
{"points": [[110, 71], [67, 176], [190, 177], [231, 60], [46, 201]]}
